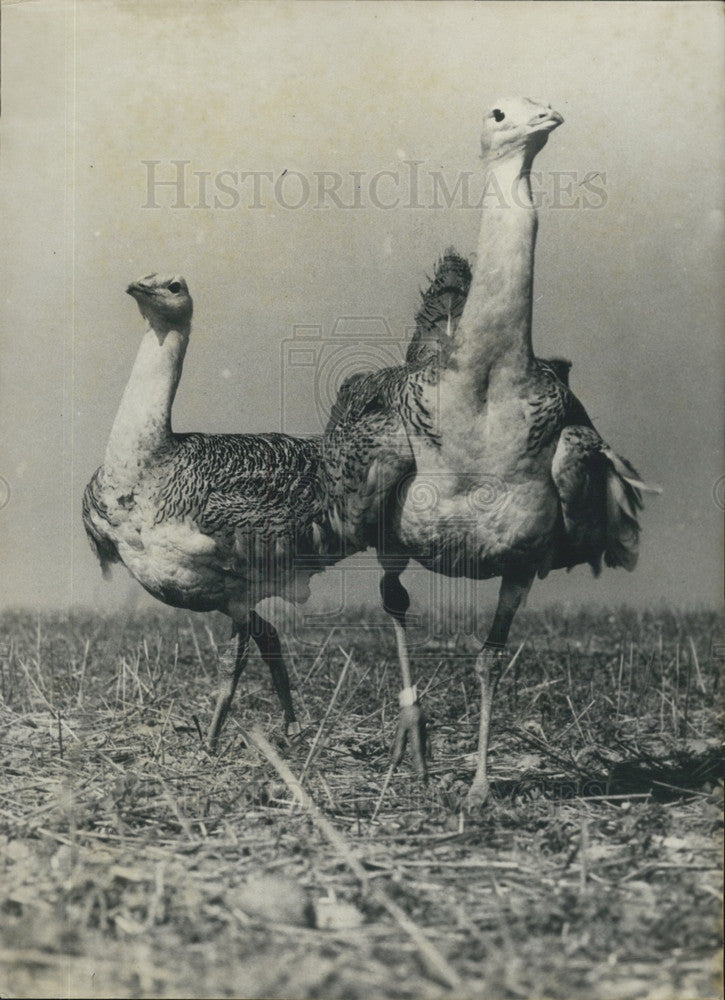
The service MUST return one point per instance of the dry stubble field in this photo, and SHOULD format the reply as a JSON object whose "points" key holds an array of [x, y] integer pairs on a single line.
{"points": [[135, 865]]}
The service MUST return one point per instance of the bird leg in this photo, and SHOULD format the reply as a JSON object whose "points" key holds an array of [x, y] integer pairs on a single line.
{"points": [[267, 639], [488, 668], [228, 684], [411, 722]]}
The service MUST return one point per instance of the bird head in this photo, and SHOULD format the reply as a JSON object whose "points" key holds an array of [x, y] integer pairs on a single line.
{"points": [[517, 125], [164, 302]]}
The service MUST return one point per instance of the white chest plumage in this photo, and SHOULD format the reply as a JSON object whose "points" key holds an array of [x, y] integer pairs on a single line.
{"points": [[478, 494]]}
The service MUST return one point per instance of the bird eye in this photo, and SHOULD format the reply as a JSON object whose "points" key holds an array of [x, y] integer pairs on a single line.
{"points": [[498, 114], [174, 287]]}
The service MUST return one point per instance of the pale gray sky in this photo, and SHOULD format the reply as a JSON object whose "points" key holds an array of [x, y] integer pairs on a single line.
{"points": [[630, 290]]}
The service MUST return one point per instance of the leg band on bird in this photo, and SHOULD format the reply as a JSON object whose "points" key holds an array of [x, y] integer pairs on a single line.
{"points": [[411, 722], [408, 696]]}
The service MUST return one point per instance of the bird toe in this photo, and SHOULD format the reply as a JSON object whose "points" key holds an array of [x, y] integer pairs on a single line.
{"points": [[477, 795]]}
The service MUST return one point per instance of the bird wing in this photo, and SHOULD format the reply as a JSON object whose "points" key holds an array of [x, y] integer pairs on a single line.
{"points": [[552, 404], [96, 513], [600, 495], [558, 367], [258, 496], [367, 454]]}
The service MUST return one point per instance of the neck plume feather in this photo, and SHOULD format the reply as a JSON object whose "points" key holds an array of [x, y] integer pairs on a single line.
{"points": [[143, 421]]}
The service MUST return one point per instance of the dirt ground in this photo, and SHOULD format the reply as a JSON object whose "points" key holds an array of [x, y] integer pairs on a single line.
{"points": [[134, 864]]}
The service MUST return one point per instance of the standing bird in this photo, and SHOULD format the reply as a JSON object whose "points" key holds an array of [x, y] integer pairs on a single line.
{"points": [[480, 462], [431, 345], [208, 522]]}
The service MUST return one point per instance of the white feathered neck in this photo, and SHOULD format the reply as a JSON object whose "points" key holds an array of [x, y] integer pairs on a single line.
{"points": [[495, 327], [143, 422]]}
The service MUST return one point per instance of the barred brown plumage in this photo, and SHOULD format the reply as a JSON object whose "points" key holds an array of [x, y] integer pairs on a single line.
{"points": [[472, 405], [206, 521], [441, 308]]}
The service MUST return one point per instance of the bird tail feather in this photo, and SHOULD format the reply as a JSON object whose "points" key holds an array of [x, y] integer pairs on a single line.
{"points": [[624, 501], [628, 472]]}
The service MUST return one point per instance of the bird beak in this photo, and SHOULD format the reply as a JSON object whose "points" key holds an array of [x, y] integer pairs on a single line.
{"points": [[547, 123], [136, 288], [553, 121]]}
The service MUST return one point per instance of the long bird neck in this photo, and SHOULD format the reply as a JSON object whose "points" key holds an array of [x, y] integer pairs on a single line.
{"points": [[143, 422], [495, 327]]}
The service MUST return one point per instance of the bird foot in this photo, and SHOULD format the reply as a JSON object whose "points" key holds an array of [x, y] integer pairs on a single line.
{"points": [[293, 729], [477, 794], [215, 729], [411, 728]]}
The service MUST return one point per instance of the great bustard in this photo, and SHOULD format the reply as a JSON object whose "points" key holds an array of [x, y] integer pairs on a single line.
{"points": [[431, 344], [483, 411], [205, 521]]}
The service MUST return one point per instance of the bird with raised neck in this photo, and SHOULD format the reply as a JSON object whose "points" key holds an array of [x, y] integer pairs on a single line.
{"points": [[482, 463], [205, 521]]}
